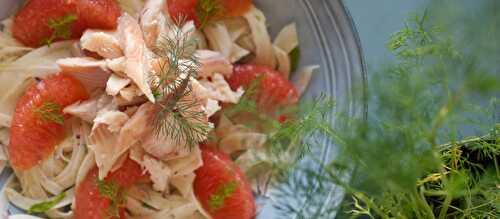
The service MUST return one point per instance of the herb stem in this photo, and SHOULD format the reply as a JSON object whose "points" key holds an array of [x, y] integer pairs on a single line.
{"points": [[332, 134], [464, 142], [426, 206], [444, 209], [495, 162], [370, 204], [415, 202], [434, 193], [443, 113]]}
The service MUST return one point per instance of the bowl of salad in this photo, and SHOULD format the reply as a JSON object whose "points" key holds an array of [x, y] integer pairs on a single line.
{"points": [[167, 108]]}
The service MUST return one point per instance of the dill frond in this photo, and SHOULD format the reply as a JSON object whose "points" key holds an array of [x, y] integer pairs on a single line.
{"points": [[176, 49], [61, 28], [185, 123], [50, 112], [398, 165], [216, 200], [179, 116], [247, 103], [113, 192], [288, 142], [311, 118], [208, 10]]}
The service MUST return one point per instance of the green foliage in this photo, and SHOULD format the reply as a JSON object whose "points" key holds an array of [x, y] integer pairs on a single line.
{"points": [[290, 131], [287, 141], [50, 112], [42, 207], [401, 168], [310, 119], [290, 140], [61, 28], [247, 103]]}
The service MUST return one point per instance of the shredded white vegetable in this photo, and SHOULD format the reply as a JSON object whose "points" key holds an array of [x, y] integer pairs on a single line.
{"points": [[284, 64], [246, 42], [237, 27], [23, 216], [6, 39], [304, 78], [264, 53], [25, 203], [287, 38], [5, 120], [237, 138], [237, 53], [10, 48], [3, 148], [39, 186], [55, 175]]}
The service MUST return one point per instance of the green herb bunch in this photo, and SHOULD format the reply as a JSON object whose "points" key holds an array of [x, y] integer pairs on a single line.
{"points": [[441, 89], [179, 115]]}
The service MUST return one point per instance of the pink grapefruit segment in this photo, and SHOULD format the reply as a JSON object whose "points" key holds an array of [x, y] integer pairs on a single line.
{"points": [[33, 137], [90, 204], [222, 188]]}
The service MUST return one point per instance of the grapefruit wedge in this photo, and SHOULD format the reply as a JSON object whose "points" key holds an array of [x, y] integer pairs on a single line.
{"points": [[222, 188], [38, 122]]}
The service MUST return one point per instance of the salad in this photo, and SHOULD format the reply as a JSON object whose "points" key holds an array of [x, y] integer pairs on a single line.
{"points": [[142, 109]]}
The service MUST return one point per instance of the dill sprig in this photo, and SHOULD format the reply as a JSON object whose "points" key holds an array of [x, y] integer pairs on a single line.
{"points": [[311, 117], [112, 191], [287, 141], [292, 139], [185, 123], [247, 103], [217, 199], [180, 116], [50, 112], [61, 28], [208, 10], [470, 181]]}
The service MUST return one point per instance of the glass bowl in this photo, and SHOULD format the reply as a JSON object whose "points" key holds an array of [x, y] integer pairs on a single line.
{"points": [[327, 38]]}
